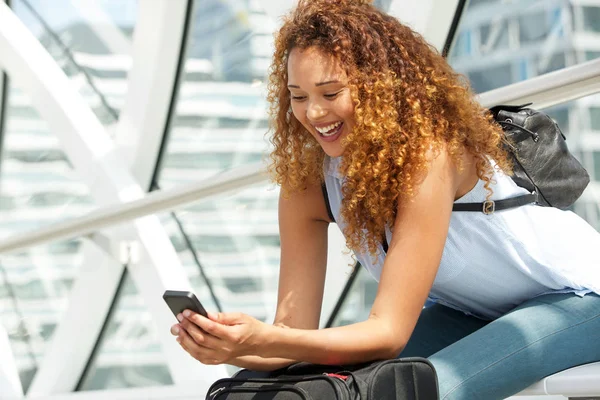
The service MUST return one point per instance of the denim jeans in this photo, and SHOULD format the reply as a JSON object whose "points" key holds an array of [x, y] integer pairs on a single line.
{"points": [[477, 359]]}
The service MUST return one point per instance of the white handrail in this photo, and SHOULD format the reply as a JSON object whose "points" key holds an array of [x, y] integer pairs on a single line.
{"points": [[546, 90], [154, 202], [549, 89]]}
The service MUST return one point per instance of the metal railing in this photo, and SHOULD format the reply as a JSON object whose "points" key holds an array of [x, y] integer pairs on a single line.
{"points": [[545, 91]]}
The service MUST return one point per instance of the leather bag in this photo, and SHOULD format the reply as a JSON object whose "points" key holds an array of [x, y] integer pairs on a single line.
{"points": [[542, 161]]}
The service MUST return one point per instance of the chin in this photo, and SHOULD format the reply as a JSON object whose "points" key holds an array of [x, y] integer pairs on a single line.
{"points": [[333, 151]]}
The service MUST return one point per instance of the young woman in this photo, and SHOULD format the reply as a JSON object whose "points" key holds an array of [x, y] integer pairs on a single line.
{"points": [[365, 105]]}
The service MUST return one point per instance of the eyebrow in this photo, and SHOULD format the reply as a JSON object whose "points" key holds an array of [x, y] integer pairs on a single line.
{"points": [[316, 84]]}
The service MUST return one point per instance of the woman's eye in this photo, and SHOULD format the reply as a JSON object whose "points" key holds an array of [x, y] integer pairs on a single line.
{"points": [[332, 95], [298, 98]]}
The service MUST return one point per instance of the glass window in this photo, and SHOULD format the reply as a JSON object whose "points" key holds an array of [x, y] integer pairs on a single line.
{"points": [[129, 353], [462, 45], [34, 286], [533, 27], [596, 157], [36, 155], [548, 63], [359, 300], [494, 36], [92, 43], [517, 40], [491, 78], [595, 118], [560, 115], [591, 55], [38, 184], [591, 18]]}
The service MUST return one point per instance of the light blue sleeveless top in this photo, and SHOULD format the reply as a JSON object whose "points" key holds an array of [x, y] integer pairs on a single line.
{"points": [[492, 263]]}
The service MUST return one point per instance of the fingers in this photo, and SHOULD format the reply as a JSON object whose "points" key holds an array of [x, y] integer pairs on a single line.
{"points": [[198, 335], [227, 318], [215, 329], [200, 353]]}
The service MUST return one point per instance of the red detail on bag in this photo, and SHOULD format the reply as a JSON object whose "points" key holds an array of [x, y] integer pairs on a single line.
{"points": [[342, 377]]}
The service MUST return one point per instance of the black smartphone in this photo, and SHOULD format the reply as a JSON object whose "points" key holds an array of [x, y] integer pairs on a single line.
{"points": [[179, 300]]}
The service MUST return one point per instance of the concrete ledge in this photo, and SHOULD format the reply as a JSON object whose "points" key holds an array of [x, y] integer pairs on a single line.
{"points": [[580, 381]]}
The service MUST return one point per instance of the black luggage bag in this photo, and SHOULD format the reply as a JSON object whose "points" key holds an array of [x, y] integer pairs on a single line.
{"points": [[398, 379]]}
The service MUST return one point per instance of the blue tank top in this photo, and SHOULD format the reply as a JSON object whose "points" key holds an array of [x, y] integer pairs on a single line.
{"points": [[492, 263]]}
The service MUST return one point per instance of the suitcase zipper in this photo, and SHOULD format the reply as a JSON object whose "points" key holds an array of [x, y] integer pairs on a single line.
{"points": [[300, 392], [337, 383]]}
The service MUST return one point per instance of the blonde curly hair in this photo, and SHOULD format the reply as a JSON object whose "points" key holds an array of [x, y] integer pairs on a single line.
{"points": [[407, 100]]}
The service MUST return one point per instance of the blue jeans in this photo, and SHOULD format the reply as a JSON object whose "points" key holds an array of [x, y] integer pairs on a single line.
{"points": [[477, 359]]}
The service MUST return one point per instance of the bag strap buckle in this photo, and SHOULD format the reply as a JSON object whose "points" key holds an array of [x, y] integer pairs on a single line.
{"points": [[489, 206]]}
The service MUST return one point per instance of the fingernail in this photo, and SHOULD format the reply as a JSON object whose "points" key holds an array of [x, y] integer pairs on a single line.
{"points": [[187, 313], [179, 317], [178, 339], [176, 330]]}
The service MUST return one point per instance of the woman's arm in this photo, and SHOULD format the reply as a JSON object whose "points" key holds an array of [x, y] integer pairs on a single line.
{"points": [[303, 224], [411, 264], [410, 267]]}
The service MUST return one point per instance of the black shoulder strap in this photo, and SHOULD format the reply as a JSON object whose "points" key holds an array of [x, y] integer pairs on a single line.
{"points": [[327, 205], [330, 214]]}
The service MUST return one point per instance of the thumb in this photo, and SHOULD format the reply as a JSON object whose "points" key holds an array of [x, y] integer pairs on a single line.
{"points": [[226, 318]]}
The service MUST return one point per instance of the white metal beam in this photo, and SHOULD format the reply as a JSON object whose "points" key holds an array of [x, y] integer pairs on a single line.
{"points": [[138, 136], [94, 156], [156, 52], [75, 336]]}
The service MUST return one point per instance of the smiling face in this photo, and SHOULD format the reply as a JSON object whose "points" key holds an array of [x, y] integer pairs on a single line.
{"points": [[320, 97]]}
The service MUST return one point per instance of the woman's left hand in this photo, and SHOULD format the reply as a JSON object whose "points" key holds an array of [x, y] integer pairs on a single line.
{"points": [[220, 338]]}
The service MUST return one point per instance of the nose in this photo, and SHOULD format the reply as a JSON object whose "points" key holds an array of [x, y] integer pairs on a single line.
{"points": [[315, 111]]}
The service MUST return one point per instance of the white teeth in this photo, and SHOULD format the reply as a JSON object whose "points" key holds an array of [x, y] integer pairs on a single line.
{"points": [[328, 128]]}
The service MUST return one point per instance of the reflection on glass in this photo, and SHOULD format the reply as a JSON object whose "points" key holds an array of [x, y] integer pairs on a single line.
{"points": [[38, 183], [591, 18], [129, 353], [360, 298], [34, 287], [229, 246], [221, 115], [38, 187], [500, 42], [91, 41], [231, 250]]}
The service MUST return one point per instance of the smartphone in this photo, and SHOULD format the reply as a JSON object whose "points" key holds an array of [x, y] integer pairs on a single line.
{"points": [[179, 300]]}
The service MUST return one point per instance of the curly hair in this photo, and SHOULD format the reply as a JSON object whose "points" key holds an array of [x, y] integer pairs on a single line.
{"points": [[407, 101]]}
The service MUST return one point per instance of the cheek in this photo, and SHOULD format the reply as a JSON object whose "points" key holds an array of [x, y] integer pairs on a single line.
{"points": [[297, 111], [347, 109]]}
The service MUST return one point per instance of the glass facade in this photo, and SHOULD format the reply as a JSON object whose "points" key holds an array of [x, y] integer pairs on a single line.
{"points": [[38, 184], [128, 353], [228, 244]]}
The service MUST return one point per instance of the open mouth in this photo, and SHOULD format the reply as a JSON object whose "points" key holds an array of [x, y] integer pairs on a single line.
{"points": [[330, 132]]}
